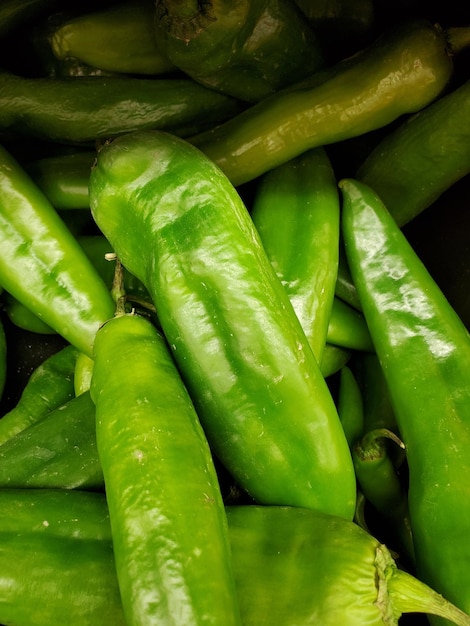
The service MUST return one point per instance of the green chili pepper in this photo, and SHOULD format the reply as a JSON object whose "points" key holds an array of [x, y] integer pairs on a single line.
{"points": [[178, 225], [378, 410], [41, 263], [89, 108], [58, 451], [424, 350], [293, 566], [350, 405], [24, 318], [117, 38], [296, 566], [347, 327], [296, 212], [50, 385], [166, 510], [63, 178], [413, 165], [333, 359], [405, 69], [57, 559], [381, 485], [245, 49]]}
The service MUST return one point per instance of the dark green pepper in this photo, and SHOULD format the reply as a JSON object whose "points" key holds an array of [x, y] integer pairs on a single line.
{"points": [[178, 225], [49, 385], [83, 110], [58, 451], [350, 405], [41, 263], [379, 482], [405, 69], [424, 351], [167, 516], [119, 38], [423, 157], [246, 49]]}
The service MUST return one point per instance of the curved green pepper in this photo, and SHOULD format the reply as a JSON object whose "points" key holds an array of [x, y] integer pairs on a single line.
{"points": [[350, 405], [83, 110], [333, 359], [49, 385], [293, 566], [347, 327], [24, 318], [405, 69], [379, 482], [166, 510], [41, 263], [424, 351], [413, 165], [56, 452], [178, 225], [296, 213], [119, 38], [246, 49]]}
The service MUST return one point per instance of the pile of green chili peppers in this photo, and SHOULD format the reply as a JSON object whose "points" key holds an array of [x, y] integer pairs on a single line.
{"points": [[234, 313]]}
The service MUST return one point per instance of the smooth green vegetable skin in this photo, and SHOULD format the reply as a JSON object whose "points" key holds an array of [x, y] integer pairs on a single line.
{"points": [[57, 559], [246, 49], [350, 405], [57, 452], [296, 213], [49, 385], [41, 263], [177, 224], [340, 573], [95, 107], [293, 566], [167, 516], [401, 72], [412, 166], [424, 350], [116, 39]]}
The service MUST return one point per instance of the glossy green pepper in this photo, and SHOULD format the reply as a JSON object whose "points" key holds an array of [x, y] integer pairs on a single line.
{"points": [[246, 49], [405, 69], [178, 225], [41, 263], [424, 351], [296, 213], [89, 108], [293, 566], [167, 516]]}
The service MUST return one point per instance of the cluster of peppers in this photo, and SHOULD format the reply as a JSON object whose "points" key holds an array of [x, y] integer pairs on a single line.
{"points": [[253, 404]]}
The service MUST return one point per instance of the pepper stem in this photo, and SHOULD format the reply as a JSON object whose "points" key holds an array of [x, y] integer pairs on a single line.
{"points": [[118, 292], [409, 594], [185, 19], [458, 38]]}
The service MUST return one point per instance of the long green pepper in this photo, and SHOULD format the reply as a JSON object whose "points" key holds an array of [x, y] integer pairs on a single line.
{"points": [[167, 516], [177, 224], [424, 350]]}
